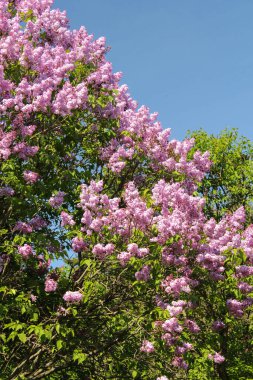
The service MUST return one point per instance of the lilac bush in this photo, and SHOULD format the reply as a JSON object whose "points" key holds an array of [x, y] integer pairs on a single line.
{"points": [[150, 287]]}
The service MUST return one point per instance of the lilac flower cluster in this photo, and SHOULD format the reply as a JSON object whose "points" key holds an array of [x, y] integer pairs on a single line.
{"points": [[66, 219], [101, 251], [143, 274], [50, 285], [30, 177], [6, 191], [25, 250], [216, 357], [72, 297], [57, 200], [147, 347], [78, 244], [35, 224]]}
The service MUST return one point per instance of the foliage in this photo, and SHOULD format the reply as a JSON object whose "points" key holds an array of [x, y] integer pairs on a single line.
{"points": [[229, 183]]}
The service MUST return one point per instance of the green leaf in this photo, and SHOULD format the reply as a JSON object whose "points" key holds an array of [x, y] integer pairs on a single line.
{"points": [[59, 344], [57, 328], [22, 337], [35, 317], [79, 356]]}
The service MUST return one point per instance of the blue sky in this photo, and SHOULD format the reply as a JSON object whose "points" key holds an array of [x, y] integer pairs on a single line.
{"points": [[189, 60]]}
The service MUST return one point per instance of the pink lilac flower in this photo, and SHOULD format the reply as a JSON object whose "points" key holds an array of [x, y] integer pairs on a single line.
{"points": [[174, 310], [169, 339], [61, 311], [178, 361], [24, 151], [73, 297], [247, 302], [218, 325], [160, 303], [101, 251], [6, 191], [162, 378], [27, 130], [37, 223], [147, 347], [133, 248], [136, 251], [23, 227], [30, 177], [50, 285], [78, 244], [143, 274], [25, 251], [217, 358], [67, 219], [178, 285], [192, 326], [172, 325], [57, 200], [245, 288], [187, 346], [142, 252], [238, 217], [6, 139], [124, 257], [235, 307], [109, 248], [244, 271], [33, 298]]}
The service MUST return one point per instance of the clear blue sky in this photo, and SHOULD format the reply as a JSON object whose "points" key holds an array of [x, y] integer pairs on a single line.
{"points": [[189, 60]]}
